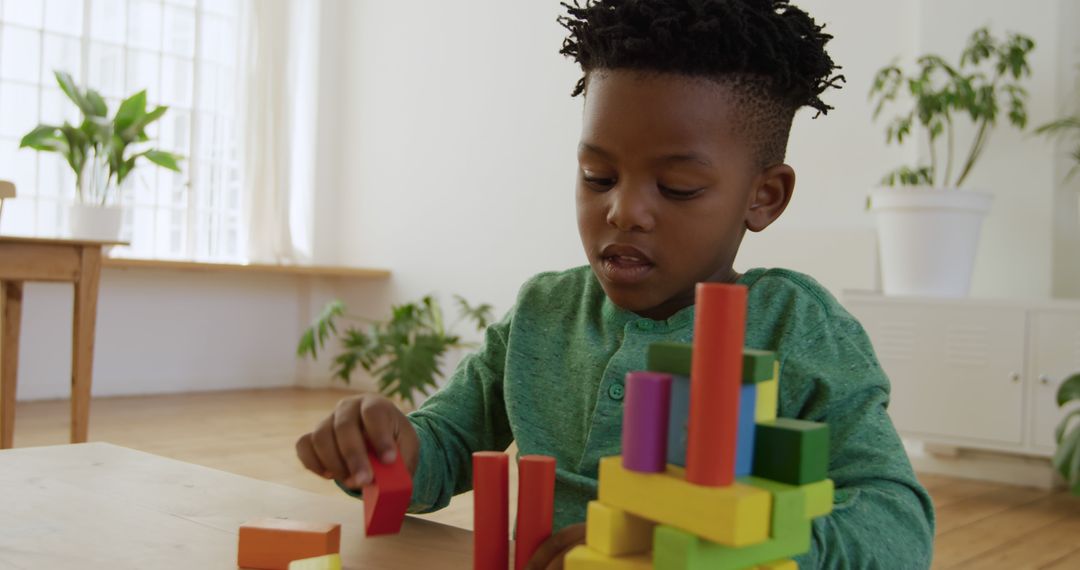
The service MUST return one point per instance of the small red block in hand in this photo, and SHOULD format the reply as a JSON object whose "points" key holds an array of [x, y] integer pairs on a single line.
{"points": [[386, 498]]}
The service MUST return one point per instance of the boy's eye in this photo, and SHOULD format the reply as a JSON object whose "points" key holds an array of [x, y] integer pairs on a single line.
{"points": [[598, 182], [680, 194]]}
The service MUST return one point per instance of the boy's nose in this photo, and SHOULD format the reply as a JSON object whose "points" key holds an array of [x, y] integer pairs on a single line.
{"points": [[630, 210]]}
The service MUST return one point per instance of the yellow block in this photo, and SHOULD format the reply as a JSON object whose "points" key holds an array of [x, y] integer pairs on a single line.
{"points": [[585, 558], [736, 515], [819, 498], [617, 533], [328, 562], [768, 396], [779, 565]]}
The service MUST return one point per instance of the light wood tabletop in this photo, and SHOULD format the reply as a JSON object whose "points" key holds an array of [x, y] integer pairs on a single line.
{"points": [[101, 506]]}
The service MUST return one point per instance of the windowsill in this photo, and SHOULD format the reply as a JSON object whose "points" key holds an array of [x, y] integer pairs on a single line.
{"points": [[253, 268]]}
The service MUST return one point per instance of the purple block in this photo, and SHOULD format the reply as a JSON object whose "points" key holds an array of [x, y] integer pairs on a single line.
{"points": [[645, 421]]}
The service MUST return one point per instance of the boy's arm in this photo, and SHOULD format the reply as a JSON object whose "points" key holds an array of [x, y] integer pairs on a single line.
{"points": [[467, 415], [882, 516]]}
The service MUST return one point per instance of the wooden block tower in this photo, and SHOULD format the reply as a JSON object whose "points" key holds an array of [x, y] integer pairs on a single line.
{"points": [[709, 476]]}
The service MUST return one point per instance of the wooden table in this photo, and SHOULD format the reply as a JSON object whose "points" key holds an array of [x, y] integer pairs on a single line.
{"points": [[97, 505], [49, 259]]}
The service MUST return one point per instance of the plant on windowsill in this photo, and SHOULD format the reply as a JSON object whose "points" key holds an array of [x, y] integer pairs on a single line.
{"points": [[403, 353], [102, 152], [928, 232], [1067, 458]]}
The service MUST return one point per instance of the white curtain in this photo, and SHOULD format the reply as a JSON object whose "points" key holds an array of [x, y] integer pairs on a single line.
{"points": [[280, 64]]}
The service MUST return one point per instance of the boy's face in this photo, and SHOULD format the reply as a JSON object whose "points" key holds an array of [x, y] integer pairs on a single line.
{"points": [[667, 186]]}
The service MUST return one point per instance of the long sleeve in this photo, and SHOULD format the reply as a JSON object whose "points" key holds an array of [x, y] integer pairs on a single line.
{"points": [[466, 415], [882, 517]]}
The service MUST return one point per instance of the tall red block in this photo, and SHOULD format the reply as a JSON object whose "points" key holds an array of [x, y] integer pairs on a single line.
{"points": [[715, 377], [645, 421], [536, 505], [491, 506], [386, 498]]}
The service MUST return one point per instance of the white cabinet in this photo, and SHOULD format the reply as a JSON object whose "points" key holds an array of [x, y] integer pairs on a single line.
{"points": [[971, 373], [1055, 355]]}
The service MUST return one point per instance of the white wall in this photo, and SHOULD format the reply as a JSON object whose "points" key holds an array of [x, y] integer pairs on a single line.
{"points": [[446, 140], [460, 155]]}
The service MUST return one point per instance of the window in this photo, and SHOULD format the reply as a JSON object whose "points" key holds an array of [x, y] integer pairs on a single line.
{"points": [[184, 53]]}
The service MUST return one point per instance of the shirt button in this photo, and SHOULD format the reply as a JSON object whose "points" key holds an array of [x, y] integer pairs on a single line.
{"points": [[644, 325], [616, 391]]}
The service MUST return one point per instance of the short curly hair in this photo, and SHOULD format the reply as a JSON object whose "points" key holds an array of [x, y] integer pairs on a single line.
{"points": [[770, 53]]}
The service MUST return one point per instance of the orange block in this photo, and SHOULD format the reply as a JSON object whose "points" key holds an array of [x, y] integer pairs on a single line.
{"points": [[271, 544]]}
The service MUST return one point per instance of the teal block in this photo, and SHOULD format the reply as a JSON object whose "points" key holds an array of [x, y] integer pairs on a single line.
{"points": [[744, 442], [674, 549], [678, 416], [757, 365], [795, 452], [788, 505], [669, 357]]}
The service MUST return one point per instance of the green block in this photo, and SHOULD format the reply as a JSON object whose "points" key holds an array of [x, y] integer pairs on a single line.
{"points": [[788, 505], [757, 365], [669, 357], [791, 451], [819, 498], [675, 358], [674, 549]]}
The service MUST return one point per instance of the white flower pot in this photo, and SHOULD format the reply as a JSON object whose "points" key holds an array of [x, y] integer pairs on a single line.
{"points": [[95, 222], [927, 238]]}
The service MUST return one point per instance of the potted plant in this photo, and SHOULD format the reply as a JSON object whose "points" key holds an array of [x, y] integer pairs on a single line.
{"points": [[102, 152], [928, 229], [404, 353], [1067, 458], [1063, 128]]}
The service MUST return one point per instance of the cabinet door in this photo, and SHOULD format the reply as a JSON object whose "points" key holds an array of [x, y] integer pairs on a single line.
{"points": [[955, 368], [1055, 355]]}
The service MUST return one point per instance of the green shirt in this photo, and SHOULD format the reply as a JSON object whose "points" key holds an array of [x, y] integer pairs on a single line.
{"points": [[549, 376]]}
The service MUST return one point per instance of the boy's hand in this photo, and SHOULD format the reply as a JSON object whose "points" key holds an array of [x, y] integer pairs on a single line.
{"points": [[337, 448], [550, 554]]}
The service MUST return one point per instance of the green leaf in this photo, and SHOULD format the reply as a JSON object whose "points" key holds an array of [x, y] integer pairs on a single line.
{"points": [[1059, 431], [98, 107], [481, 314], [163, 159], [46, 138], [135, 130], [1069, 390], [131, 109], [68, 86], [1067, 459]]}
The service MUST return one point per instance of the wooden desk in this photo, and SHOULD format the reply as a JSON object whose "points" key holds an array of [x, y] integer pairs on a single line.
{"points": [[97, 505], [48, 259]]}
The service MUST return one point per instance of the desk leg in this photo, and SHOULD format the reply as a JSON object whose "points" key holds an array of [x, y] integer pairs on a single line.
{"points": [[10, 316], [82, 345]]}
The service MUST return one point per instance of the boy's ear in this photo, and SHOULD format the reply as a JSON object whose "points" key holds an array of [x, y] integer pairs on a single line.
{"points": [[771, 194]]}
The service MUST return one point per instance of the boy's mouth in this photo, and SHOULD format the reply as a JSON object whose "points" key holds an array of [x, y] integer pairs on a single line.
{"points": [[624, 264]]}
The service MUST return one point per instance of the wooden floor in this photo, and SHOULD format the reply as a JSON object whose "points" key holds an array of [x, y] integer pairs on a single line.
{"points": [[980, 525]]}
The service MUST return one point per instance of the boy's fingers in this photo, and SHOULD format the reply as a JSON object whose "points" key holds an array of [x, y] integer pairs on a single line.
{"points": [[380, 425], [306, 452], [349, 434], [325, 444], [555, 548]]}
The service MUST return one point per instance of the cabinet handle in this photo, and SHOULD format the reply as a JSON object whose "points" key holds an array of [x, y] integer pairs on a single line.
{"points": [[1015, 377], [1044, 380]]}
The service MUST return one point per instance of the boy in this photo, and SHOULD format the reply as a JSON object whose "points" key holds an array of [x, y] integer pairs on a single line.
{"points": [[688, 105]]}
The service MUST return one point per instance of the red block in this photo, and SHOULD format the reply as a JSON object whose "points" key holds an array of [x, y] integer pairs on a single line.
{"points": [[715, 376], [386, 498], [491, 510], [536, 505]]}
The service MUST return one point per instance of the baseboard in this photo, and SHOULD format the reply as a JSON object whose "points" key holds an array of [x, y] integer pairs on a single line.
{"points": [[1021, 470]]}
